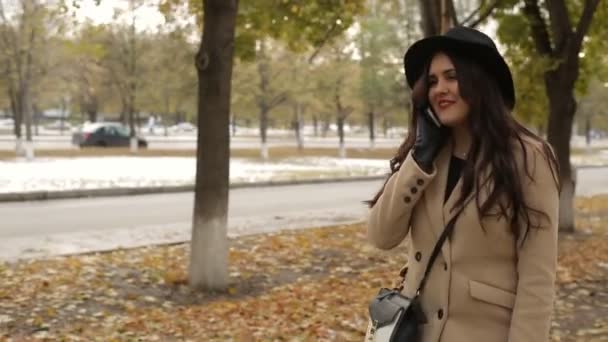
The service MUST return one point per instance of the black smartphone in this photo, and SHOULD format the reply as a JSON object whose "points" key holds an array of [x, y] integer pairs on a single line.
{"points": [[429, 112]]}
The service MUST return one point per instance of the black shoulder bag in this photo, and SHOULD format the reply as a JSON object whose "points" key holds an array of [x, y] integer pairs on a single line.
{"points": [[395, 317]]}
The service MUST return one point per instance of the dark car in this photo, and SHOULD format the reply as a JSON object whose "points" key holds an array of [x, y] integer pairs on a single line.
{"points": [[105, 134]]}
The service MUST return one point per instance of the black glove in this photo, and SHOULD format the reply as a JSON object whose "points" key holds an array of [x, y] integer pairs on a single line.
{"points": [[429, 140]]}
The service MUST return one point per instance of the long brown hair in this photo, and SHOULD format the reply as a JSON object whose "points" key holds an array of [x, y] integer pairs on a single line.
{"points": [[493, 129]]}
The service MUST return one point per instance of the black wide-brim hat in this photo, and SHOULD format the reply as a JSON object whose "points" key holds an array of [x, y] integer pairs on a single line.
{"points": [[466, 42]]}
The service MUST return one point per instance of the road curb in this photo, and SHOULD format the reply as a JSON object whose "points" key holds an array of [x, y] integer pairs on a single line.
{"points": [[111, 192]]}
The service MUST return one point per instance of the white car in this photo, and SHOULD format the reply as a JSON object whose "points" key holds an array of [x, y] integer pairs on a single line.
{"points": [[183, 127]]}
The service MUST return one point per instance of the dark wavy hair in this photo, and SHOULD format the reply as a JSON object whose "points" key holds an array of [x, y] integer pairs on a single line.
{"points": [[493, 131]]}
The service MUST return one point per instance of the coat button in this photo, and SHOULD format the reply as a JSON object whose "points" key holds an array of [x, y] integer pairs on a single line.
{"points": [[420, 181], [414, 190], [440, 314], [445, 266], [407, 199], [418, 256]]}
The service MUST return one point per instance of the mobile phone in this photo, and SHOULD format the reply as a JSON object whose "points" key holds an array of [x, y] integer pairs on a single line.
{"points": [[429, 112]]}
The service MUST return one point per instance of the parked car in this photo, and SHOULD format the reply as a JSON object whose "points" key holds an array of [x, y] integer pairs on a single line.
{"points": [[105, 134], [183, 127]]}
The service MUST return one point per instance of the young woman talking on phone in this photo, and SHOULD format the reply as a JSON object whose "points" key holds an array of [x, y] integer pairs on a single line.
{"points": [[467, 160]]}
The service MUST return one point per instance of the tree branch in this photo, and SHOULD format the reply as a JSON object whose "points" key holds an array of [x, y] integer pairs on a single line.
{"points": [[345, 112], [323, 41], [584, 22], [486, 13], [559, 19], [538, 27], [452, 10], [277, 100], [276, 74], [473, 14]]}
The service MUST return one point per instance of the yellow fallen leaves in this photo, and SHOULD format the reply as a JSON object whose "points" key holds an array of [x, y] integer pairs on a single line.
{"points": [[309, 285]]}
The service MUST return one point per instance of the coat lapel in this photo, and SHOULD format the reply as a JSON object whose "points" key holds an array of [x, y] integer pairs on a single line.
{"points": [[439, 211]]}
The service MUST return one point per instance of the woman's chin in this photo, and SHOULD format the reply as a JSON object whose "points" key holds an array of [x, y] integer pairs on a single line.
{"points": [[451, 121]]}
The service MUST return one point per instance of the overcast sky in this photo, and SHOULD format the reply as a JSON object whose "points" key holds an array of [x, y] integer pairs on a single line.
{"points": [[146, 17]]}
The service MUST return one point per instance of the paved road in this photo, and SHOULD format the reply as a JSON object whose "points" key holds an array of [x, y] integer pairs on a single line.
{"points": [[31, 229]]}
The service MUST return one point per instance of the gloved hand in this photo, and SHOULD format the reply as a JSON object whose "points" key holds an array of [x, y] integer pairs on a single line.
{"points": [[429, 140]]}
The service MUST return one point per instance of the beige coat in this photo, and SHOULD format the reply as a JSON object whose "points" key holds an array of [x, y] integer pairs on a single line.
{"points": [[483, 287]]}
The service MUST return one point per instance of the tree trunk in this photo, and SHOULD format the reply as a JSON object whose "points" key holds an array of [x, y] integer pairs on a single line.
{"points": [[340, 123], [209, 247], [385, 124], [315, 123], [27, 114], [588, 130], [17, 120], [431, 17], [92, 116], [36, 118], [297, 124], [562, 106], [25, 85], [92, 109], [263, 130], [132, 133], [325, 127], [62, 118], [372, 129], [446, 16], [16, 109], [263, 102]]}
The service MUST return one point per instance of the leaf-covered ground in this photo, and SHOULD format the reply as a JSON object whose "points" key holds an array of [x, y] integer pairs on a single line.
{"points": [[308, 285]]}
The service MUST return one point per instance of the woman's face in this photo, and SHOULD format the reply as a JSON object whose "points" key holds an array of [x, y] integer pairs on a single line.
{"points": [[444, 95]]}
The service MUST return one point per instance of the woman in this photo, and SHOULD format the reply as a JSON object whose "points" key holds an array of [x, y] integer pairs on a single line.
{"points": [[494, 278]]}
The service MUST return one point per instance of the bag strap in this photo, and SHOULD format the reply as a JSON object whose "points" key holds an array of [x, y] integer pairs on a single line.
{"points": [[447, 231]]}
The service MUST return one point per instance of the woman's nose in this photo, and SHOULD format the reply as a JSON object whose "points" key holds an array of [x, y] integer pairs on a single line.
{"points": [[439, 88]]}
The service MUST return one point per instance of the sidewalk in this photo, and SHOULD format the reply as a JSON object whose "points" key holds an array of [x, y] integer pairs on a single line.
{"points": [[119, 176]]}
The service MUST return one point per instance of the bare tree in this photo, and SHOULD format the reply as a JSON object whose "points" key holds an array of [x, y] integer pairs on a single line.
{"points": [[21, 33], [123, 64], [267, 98]]}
